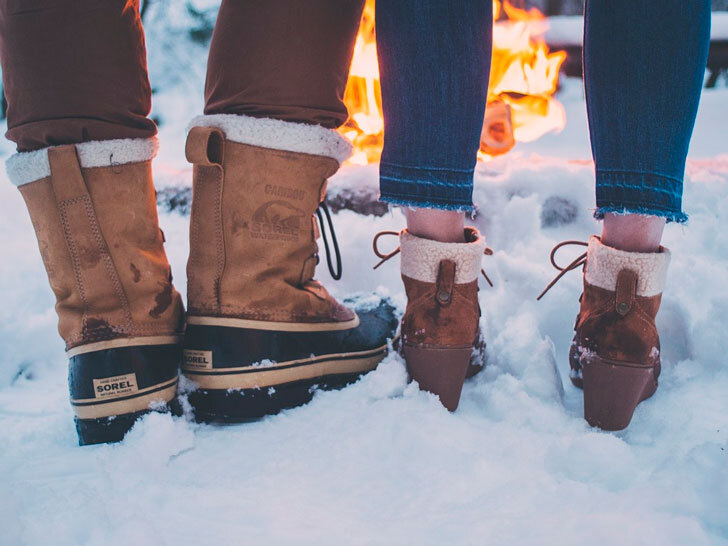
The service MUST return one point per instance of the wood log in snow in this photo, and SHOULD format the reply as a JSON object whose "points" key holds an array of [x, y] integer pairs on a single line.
{"points": [[360, 199], [497, 137]]}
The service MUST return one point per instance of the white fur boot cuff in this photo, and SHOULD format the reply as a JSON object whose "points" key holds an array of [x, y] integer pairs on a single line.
{"points": [[604, 263], [26, 167], [421, 257], [279, 135]]}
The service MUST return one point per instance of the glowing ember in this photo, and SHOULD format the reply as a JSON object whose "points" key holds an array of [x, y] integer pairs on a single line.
{"points": [[523, 78]]}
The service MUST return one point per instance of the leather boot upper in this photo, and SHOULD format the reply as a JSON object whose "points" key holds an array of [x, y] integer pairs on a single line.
{"points": [[621, 298], [442, 290], [253, 250], [99, 237]]}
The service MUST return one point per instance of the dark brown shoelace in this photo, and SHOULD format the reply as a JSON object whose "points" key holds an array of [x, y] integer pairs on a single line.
{"points": [[384, 257], [580, 261]]}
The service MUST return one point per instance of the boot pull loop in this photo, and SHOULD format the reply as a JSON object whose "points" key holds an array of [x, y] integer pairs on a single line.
{"points": [[445, 282], [66, 177], [488, 252], [335, 273], [81, 230], [626, 291], [578, 262], [205, 146], [204, 149], [375, 247]]}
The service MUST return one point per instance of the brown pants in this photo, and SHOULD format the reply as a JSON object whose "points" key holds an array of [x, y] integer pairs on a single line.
{"points": [[75, 70]]}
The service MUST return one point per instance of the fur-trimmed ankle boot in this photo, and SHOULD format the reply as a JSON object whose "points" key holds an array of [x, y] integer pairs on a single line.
{"points": [[262, 333], [94, 212], [440, 330], [615, 354]]}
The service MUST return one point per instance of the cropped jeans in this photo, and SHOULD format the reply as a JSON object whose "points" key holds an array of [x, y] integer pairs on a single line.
{"points": [[644, 65]]}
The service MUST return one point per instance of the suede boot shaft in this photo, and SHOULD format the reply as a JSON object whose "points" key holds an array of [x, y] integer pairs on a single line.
{"points": [[253, 249], [94, 212]]}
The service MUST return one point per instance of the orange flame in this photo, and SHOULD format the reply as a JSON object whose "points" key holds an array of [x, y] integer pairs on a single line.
{"points": [[523, 78], [525, 75], [363, 96]]}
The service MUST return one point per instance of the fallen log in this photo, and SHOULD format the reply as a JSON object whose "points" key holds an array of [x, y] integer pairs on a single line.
{"points": [[362, 199]]}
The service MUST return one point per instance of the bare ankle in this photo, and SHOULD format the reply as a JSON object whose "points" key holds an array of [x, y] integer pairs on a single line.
{"points": [[446, 226], [633, 232]]}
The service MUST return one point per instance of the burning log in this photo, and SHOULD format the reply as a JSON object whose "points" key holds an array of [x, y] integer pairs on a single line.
{"points": [[362, 200], [497, 135]]}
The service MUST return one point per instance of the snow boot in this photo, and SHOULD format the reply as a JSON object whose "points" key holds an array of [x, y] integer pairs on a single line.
{"points": [[94, 212], [440, 331], [262, 333], [615, 354]]}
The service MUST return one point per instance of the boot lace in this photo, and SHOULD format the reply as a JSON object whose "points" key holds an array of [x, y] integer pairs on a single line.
{"points": [[335, 273], [385, 257], [578, 262]]}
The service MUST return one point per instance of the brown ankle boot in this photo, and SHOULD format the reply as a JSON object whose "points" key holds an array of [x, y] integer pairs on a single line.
{"points": [[94, 212], [440, 331], [261, 331], [615, 354]]}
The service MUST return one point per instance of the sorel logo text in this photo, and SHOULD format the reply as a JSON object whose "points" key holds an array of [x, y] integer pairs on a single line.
{"points": [[277, 220], [112, 387], [198, 360]]}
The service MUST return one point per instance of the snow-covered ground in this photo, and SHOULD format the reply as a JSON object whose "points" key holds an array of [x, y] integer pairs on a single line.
{"points": [[380, 462], [569, 29]]}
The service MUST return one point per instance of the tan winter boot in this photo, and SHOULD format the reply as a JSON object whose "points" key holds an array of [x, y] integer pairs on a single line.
{"points": [[94, 212], [440, 333], [615, 354], [261, 331]]}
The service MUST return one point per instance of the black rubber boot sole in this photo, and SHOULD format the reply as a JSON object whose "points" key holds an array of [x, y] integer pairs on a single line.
{"points": [[246, 373], [111, 388], [236, 406], [105, 430]]}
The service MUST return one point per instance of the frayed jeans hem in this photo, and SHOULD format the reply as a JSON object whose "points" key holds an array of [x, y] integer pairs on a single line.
{"points": [[423, 204], [639, 192], [670, 216], [426, 187]]}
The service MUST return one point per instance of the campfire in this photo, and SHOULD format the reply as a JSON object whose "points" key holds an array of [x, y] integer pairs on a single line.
{"points": [[523, 78]]}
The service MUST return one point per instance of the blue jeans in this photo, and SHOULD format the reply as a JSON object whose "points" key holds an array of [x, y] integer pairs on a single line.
{"points": [[643, 68]]}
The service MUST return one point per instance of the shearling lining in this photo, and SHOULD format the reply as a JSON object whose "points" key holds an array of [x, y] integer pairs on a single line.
{"points": [[421, 257], [279, 135], [26, 167], [604, 263]]}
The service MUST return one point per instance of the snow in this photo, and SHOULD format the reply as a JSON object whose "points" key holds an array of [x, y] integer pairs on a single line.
{"points": [[566, 30], [719, 26], [381, 462]]}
